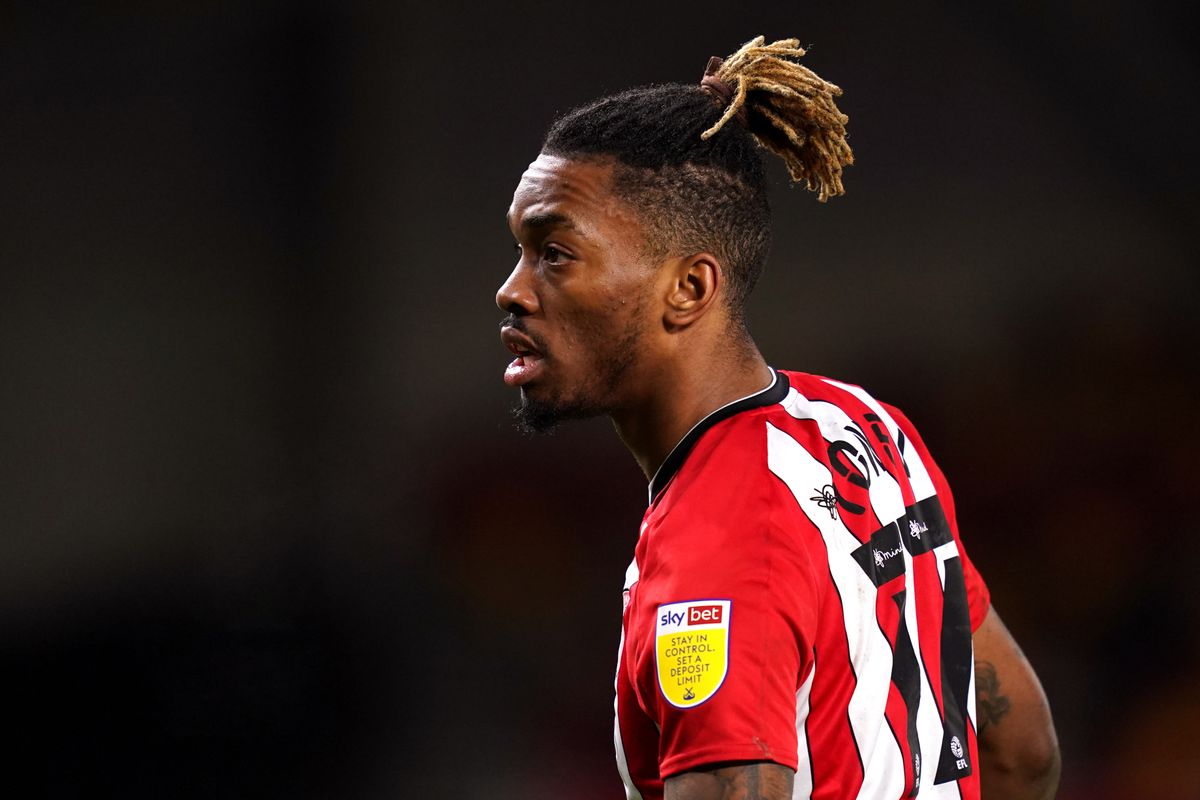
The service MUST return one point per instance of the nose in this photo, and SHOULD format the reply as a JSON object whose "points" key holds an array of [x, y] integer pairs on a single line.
{"points": [[517, 295]]}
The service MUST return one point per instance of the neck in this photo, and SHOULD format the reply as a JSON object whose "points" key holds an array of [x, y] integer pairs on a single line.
{"points": [[682, 394]]}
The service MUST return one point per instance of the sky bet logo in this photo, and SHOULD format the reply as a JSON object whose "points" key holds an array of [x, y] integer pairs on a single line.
{"points": [[691, 652], [695, 615]]}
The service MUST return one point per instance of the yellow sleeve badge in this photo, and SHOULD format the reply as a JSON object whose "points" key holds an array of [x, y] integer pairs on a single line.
{"points": [[691, 651]]}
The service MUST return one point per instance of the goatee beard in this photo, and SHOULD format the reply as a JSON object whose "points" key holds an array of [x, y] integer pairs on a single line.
{"points": [[537, 416], [532, 417]]}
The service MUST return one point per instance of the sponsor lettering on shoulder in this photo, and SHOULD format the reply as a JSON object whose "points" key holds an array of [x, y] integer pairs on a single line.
{"points": [[692, 650]]}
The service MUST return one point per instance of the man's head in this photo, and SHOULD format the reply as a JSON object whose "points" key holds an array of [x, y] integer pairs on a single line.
{"points": [[692, 194], [579, 300], [645, 220]]}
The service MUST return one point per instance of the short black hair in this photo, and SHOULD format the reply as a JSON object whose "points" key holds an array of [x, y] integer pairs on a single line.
{"points": [[693, 194]]}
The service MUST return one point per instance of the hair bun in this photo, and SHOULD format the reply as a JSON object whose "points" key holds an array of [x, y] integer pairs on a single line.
{"points": [[789, 109]]}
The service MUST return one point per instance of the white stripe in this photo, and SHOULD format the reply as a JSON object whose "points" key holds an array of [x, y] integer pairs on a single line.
{"points": [[884, 775], [631, 574], [802, 787], [922, 484], [931, 731], [945, 552], [870, 652], [971, 693], [929, 723], [887, 501], [631, 791]]}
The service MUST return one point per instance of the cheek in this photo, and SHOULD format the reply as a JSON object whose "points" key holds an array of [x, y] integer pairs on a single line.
{"points": [[588, 330], [592, 331], [588, 337]]}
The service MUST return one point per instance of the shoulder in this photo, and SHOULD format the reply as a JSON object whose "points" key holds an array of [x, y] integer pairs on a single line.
{"points": [[726, 473], [726, 526], [817, 392], [846, 411], [725, 509]]}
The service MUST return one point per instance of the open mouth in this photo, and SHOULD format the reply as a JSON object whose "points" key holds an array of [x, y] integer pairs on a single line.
{"points": [[528, 363]]}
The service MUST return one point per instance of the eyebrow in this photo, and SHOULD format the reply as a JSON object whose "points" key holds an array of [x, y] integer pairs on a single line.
{"points": [[551, 219]]}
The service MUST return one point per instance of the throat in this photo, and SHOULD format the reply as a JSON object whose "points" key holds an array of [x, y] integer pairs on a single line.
{"points": [[653, 430]]}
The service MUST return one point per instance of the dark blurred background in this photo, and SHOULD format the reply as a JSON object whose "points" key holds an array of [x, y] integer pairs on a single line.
{"points": [[267, 530]]}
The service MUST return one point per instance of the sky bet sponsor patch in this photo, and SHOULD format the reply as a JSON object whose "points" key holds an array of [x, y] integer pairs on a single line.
{"points": [[692, 650]]}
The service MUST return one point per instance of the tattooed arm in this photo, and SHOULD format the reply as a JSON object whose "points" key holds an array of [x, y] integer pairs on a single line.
{"points": [[1018, 749], [757, 780]]}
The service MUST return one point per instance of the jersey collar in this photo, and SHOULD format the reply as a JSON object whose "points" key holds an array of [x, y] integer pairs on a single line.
{"points": [[774, 393]]}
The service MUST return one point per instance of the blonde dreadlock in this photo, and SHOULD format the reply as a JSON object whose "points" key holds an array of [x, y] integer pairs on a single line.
{"points": [[790, 110]]}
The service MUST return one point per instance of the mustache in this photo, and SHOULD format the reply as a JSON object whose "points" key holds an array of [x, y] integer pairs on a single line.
{"points": [[518, 324]]}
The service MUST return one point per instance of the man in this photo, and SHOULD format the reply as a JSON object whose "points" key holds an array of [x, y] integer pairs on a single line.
{"points": [[801, 618]]}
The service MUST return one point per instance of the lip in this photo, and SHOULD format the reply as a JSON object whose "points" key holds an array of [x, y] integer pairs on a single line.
{"points": [[519, 343], [529, 361]]}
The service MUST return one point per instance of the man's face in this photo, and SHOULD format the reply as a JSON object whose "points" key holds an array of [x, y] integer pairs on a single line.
{"points": [[579, 296]]}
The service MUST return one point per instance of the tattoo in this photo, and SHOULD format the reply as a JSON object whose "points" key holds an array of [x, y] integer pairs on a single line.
{"points": [[992, 705], [747, 781]]}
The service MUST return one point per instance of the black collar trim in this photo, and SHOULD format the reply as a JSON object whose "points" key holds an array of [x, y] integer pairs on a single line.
{"points": [[774, 393]]}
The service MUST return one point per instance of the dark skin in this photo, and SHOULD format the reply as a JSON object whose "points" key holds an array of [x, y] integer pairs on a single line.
{"points": [[583, 282], [599, 328], [1018, 748], [753, 780]]}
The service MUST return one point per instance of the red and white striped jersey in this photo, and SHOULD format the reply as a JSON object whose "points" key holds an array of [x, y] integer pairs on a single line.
{"points": [[799, 594]]}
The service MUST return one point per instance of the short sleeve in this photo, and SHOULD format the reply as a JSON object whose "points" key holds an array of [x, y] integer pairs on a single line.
{"points": [[733, 622]]}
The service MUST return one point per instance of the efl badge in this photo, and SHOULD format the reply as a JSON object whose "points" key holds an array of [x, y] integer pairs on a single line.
{"points": [[692, 650]]}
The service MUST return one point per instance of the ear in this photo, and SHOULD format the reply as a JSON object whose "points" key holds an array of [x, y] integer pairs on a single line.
{"points": [[695, 281]]}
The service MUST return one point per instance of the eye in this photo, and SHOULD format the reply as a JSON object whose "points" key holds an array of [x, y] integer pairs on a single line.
{"points": [[553, 256]]}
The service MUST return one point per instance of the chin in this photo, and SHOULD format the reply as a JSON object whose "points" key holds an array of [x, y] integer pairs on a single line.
{"points": [[542, 415]]}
